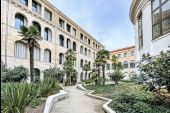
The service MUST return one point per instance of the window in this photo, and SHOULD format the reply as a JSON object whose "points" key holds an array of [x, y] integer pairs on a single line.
{"points": [[36, 53], [81, 37], [89, 64], [125, 64], [89, 41], [108, 67], [47, 15], [93, 45], [68, 28], [85, 39], [19, 21], [61, 38], [68, 43], [160, 17], [81, 63], [89, 53], [96, 46], [61, 23], [94, 55], [140, 31], [132, 53], [125, 54], [37, 26], [132, 64], [47, 56], [61, 58], [85, 51], [74, 46], [20, 50], [24, 2], [119, 55], [36, 7], [81, 49], [74, 31], [47, 34]]}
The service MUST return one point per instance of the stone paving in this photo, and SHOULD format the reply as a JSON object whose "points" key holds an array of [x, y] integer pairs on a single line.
{"points": [[78, 102]]}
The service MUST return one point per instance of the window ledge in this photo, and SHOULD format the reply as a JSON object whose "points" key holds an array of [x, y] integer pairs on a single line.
{"points": [[154, 40]]}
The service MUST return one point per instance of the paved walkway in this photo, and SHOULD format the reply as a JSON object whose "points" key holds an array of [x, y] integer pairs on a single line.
{"points": [[78, 102]]}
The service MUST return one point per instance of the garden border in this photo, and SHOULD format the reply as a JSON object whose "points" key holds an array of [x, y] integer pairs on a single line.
{"points": [[54, 98], [105, 106]]}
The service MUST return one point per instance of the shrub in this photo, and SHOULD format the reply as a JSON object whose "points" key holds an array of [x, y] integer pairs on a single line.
{"points": [[17, 74], [15, 97]]}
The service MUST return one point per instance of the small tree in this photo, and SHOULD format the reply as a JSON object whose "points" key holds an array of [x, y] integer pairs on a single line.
{"points": [[31, 36], [86, 68]]}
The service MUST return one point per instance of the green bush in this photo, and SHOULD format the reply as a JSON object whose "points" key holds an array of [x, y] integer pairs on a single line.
{"points": [[88, 81], [15, 97], [17, 74]]}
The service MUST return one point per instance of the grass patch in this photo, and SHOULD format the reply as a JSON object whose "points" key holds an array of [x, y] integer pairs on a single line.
{"points": [[131, 98]]}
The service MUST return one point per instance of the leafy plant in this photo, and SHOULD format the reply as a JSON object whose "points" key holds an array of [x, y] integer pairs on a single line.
{"points": [[86, 68]]}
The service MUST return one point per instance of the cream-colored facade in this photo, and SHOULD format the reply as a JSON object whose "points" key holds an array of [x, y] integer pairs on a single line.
{"points": [[126, 56], [58, 32]]}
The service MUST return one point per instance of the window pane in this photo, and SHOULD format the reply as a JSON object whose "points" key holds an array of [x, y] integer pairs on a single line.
{"points": [[166, 10], [19, 21], [156, 16], [155, 4], [24, 2], [47, 14], [166, 26], [156, 31]]}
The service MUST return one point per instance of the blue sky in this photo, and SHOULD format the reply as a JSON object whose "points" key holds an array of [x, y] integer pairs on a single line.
{"points": [[106, 20]]}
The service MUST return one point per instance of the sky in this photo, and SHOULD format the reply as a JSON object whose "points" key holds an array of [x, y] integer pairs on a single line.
{"points": [[106, 20]]}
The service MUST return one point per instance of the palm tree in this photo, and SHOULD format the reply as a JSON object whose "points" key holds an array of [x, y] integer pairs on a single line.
{"points": [[103, 56], [31, 36], [86, 68]]}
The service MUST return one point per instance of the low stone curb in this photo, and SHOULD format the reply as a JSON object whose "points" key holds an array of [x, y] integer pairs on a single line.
{"points": [[54, 98], [105, 106]]}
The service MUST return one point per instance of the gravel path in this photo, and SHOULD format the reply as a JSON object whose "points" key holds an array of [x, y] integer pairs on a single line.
{"points": [[78, 102]]}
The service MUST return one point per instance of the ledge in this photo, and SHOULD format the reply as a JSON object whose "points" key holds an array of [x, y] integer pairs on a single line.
{"points": [[105, 106], [54, 98]]}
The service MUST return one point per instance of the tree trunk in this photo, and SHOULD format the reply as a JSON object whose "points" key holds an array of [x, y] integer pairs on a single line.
{"points": [[98, 81], [86, 75], [31, 50], [103, 69]]}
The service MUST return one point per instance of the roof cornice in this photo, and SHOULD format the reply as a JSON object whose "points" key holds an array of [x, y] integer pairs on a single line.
{"points": [[133, 10]]}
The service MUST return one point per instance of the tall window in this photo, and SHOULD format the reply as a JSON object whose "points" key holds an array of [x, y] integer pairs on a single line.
{"points": [[47, 34], [132, 53], [85, 39], [81, 49], [74, 46], [81, 37], [36, 7], [89, 41], [89, 53], [61, 58], [61, 38], [108, 66], [140, 32], [74, 31], [125, 64], [125, 54], [37, 26], [160, 17], [24, 2], [119, 55], [47, 15], [20, 50], [68, 28], [47, 56], [93, 45], [61, 23], [36, 53], [68, 43], [19, 21], [94, 55], [85, 51], [81, 63], [132, 64]]}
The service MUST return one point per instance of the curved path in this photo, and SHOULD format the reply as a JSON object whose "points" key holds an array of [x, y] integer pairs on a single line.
{"points": [[78, 102]]}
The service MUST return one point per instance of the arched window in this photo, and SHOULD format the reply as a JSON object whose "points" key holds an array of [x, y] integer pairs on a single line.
{"points": [[36, 53], [20, 50], [81, 49], [89, 53], [20, 21], [132, 64], [61, 38], [47, 34], [36, 77], [94, 55], [81, 63], [47, 56], [85, 51], [37, 25], [68, 43], [125, 64], [74, 46], [61, 58], [81, 76], [74, 62], [108, 67], [89, 64]]}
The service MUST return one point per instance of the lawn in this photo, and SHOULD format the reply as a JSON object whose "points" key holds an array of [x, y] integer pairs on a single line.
{"points": [[131, 98]]}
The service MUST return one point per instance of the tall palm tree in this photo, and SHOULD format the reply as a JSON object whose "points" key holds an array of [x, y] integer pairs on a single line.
{"points": [[31, 35], [86, 68]]}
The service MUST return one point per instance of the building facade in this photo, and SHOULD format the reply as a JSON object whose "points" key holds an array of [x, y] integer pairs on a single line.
{"points": [[126, 56], [151, 19], [59, 34]]}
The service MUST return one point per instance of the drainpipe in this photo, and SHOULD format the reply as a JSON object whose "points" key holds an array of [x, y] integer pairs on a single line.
{"points": [[6, 32]]}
